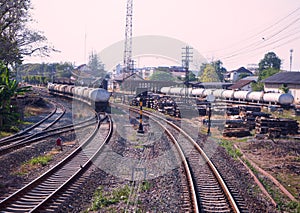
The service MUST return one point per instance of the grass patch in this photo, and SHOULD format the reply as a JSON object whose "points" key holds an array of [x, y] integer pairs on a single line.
{"points": [[4, 134], [241, 140], [228, 145], [289, 181], [146, 186], [34, 163], [11, 129], [281, 201], [104, 199], [285, 114], [40, 160], [26, 123], [294, 206], [251, 167]]}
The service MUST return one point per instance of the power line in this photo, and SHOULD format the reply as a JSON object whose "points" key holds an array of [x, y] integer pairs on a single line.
{"points": [[256, 43], [255, 46], [249, 55]]}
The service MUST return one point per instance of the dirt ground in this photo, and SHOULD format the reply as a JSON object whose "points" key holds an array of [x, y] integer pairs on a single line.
{"points": [[280, 158]]}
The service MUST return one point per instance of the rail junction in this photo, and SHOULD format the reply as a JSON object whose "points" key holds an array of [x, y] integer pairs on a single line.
{"points": [[200, 175]]}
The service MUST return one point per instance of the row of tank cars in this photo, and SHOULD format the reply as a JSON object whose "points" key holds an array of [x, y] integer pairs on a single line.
{"points": [[282, 99], [98, 98]]}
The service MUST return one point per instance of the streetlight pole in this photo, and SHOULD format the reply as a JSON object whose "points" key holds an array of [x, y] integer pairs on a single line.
{"points": [[291, 58]]}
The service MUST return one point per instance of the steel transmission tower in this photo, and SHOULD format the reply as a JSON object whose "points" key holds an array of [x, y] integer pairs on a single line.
{"points": [[186, 59], [128, 39]]}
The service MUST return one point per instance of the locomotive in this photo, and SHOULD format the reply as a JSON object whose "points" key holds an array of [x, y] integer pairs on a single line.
{"points": [[98, 98]]}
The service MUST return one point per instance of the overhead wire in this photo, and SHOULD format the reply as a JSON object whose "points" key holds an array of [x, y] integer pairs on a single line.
{"points": [[262, 43], [293, 33], [257, 34], [284, 31]]}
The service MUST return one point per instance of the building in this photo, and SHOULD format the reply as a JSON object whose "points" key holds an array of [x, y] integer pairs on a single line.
{"points": [[145, 72], [242, 85], [235, 75], [290, 80]]}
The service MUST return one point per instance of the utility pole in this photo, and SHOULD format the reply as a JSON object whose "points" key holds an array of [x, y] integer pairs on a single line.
{"points": [[141, 129], [128, 38], [186, 59], [291, 58]]}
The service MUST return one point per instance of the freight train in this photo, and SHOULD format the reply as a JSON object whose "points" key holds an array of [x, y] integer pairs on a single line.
{"points": [[284, 100], [98, 98]]}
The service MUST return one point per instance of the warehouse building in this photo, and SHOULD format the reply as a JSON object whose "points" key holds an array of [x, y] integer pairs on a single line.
{"points": [[290, 80]]}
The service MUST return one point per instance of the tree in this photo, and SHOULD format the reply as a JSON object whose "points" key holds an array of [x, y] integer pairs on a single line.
{"points": [[267, 73], [8, 89], [191, 77], [284, 88], [161, 76], [259, 86], [218, 66], [96, 66], [16, 40], [270, 60], [209, 74]]}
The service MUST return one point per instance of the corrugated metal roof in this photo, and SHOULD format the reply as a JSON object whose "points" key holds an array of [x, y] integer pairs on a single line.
{"points": [[284, 78], [242, 70], [241, 83]]}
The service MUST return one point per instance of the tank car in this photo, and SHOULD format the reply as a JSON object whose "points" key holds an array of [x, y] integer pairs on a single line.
{"points": [[255, 96], [165, 90], [198, 92], [218, 93], [228, 94], [240, 95], [99, 98], [232, 95], [175, 90], [207, 92], [278, 98], [96, 97]]}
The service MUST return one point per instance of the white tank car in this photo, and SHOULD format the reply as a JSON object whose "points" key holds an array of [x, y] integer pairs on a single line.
{"points": [[255, 96], [99, 95], [175, 90], [240, 95], [62, 88], [280, 98], [218, 93], [198, 92], [277, 98], [95, 97], [51, 87], [165, 90], [228, 94]]}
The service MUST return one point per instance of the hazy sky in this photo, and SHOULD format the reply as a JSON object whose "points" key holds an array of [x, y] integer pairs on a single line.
{"points": [[238, 32]]}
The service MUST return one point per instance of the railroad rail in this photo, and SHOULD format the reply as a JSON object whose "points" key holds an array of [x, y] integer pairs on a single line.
{"points": [[16, 143], [36, 196], [44, 124], [207, 190]]}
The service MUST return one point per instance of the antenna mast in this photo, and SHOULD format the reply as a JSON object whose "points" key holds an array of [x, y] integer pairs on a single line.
{"points": [[128, 38]]}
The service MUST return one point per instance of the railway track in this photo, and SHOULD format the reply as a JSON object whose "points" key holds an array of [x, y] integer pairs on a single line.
{"points": [[16, 143], [43, 193], [207, 191], [44, 124]]}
